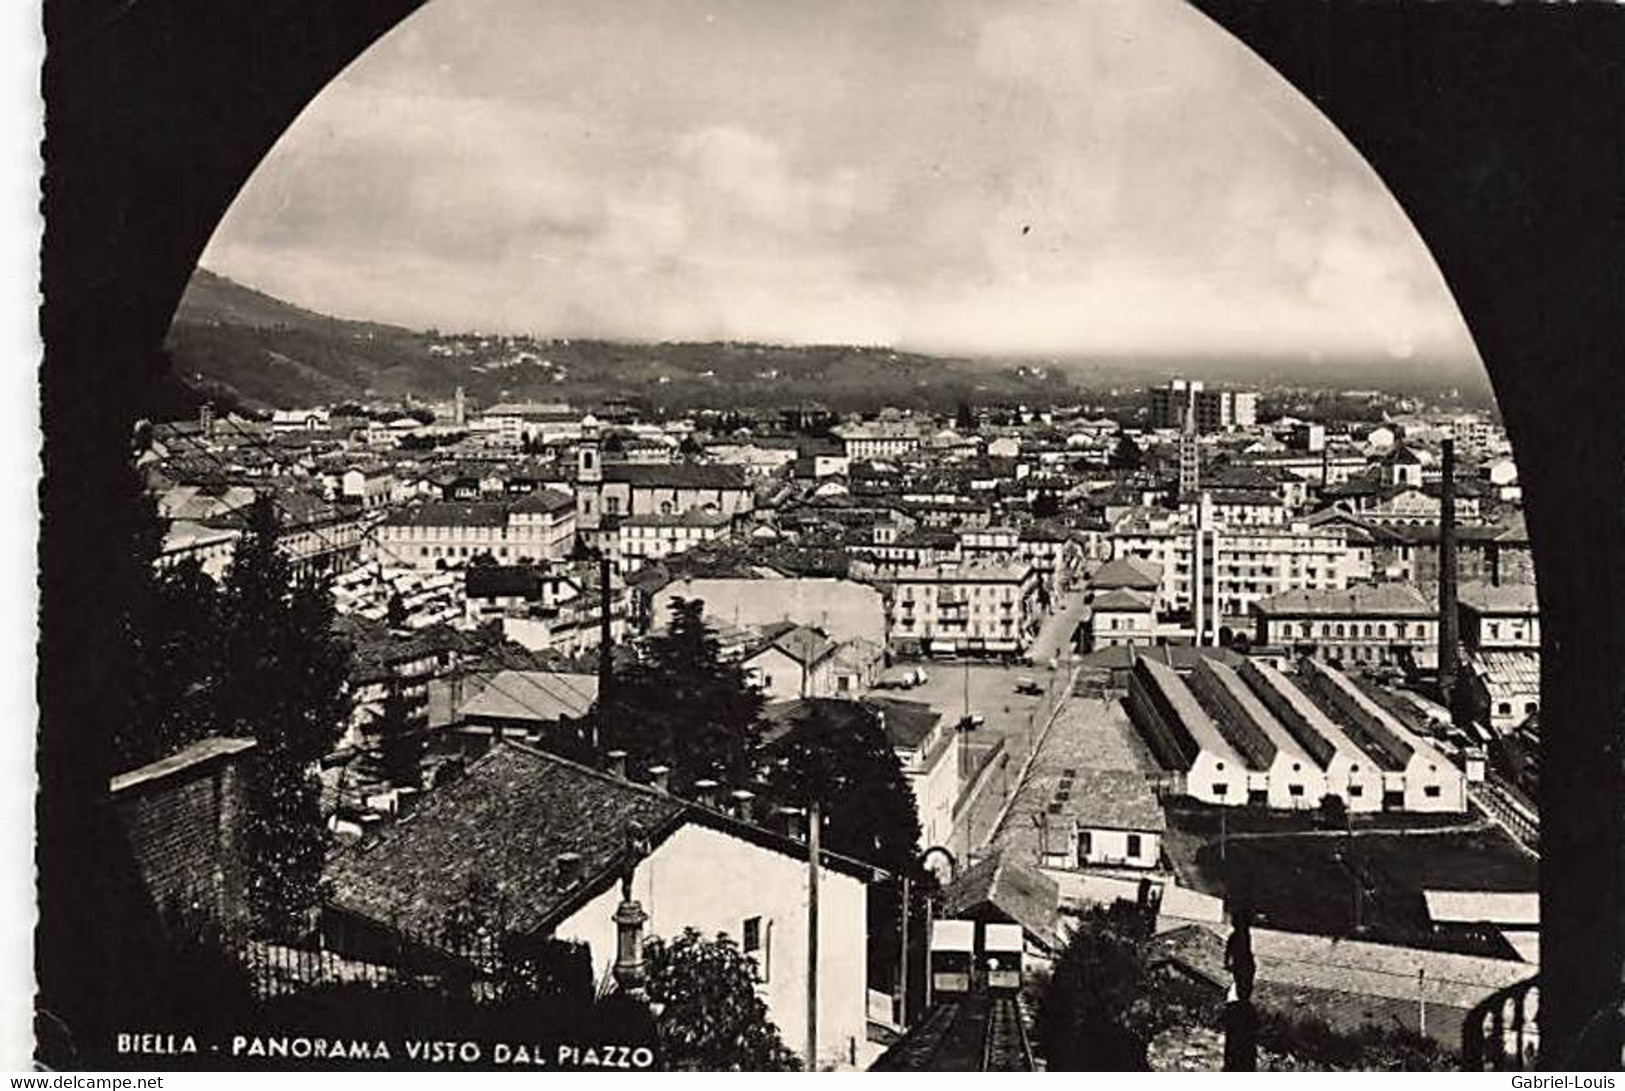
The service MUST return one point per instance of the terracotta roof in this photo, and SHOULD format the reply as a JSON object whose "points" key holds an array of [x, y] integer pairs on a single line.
{"points": [[511, 815], [1130, 572], [801, 643], [679, 475], [1024, 895], [545, 500], [509, 818], [1513, 598], [1379, 600], [538, 696], [907, 723], [1121, 599], [1111, 799], [448, 514]]}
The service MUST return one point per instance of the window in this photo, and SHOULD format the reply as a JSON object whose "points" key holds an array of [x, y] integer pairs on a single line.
{"points": [[1086, 845], [1134, 840], [1221, 789], [1431, 791], [751, 935], [1504, 708], [1294, 790], [1356, 791]]}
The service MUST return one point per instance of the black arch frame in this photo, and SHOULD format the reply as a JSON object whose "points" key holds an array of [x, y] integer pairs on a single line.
{"points": [[1498, 128]]}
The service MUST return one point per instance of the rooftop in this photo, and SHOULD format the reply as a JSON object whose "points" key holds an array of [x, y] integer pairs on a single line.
{"points": [[1121, 599], [1111, 799], [1377, 600], [1130, 572], [511, 815], [539, 696], [1024, 895], [447, 514], [1510, 598]]}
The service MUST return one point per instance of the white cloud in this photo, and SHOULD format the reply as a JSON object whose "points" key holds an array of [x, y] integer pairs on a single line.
{"points": [[1086, 176]]}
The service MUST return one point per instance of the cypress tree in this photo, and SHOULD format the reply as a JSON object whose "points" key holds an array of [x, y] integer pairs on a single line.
{"points": [[284, 682]]}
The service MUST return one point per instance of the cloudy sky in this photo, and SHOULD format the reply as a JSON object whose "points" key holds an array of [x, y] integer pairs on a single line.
{"points": [[1088, 177]]}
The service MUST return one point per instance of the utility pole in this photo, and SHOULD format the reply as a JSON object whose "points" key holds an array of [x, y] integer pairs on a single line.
{"points": [[967, 689], [1421, 1001], [930, 921], [812, 936], [606, 658], [902, 983]]}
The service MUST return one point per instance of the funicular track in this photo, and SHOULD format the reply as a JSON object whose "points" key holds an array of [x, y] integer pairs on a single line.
{"points": [[976, 1033]]}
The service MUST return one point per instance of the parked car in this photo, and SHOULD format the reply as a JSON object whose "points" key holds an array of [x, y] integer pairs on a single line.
{"points": [[1029, 686]]}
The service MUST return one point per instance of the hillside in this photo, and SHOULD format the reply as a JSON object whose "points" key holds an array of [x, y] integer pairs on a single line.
{"points": [[261, 351]]}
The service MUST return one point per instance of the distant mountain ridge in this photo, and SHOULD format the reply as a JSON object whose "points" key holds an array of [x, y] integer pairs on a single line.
{"points": [[264, 352]]}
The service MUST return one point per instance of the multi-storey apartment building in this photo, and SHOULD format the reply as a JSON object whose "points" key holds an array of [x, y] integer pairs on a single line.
{"points": [[541, 527], [1384, 623], [879, 439], [1220, 572], [964, 609], [645, 538], [1212, 410]]}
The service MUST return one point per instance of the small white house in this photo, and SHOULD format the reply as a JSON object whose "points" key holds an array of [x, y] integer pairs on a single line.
{"points": [[558, 838], [1102, 818]]}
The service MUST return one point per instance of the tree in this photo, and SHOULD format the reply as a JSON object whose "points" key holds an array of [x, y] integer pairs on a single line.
{"points": [[396, 615], [284, 682], [176, 644], [711, 1019], [685, 706], [401, 745], [841, 758], [1098, 1013], [1334, 813], [1306, 1042], [1127, 454], [964, 417]]}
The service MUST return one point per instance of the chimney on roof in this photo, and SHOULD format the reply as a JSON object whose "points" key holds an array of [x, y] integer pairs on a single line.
{"points": [[660, 777], [705, 792], [615, 764], [791, 822], [742, 804], [567, 869], [1449, 623]]}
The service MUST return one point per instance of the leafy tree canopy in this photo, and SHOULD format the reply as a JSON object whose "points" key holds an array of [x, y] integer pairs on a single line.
{"points": [[710, 1016], [685, 706]]}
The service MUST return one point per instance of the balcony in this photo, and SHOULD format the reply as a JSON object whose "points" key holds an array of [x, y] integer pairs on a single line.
{"points": [[1502, 1034]]}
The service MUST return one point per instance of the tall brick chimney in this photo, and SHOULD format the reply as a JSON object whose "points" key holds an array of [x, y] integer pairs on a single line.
{"points": [[1449, 624]]}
